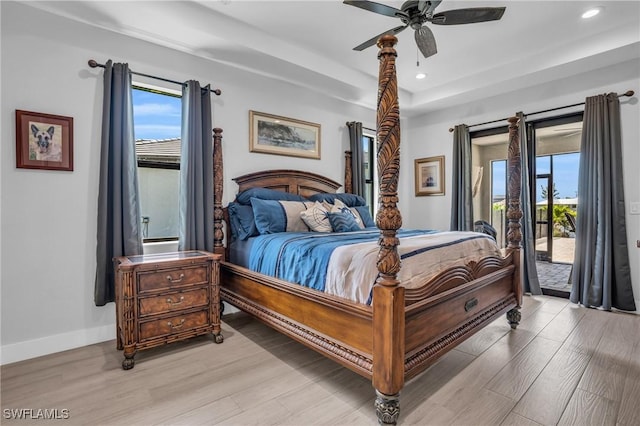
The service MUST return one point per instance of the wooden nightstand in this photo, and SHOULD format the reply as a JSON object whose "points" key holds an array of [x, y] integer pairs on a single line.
{"points": [[163, 298]]}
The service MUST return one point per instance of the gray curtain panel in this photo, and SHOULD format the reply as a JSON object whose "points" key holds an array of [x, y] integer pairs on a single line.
{"points": [[461, 193], [357, 158], [196, 170], [601, 274], [119, 225], [531, 283]]}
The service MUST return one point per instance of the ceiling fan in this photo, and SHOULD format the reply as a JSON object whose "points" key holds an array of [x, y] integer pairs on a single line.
{"points": [[415, 13]]}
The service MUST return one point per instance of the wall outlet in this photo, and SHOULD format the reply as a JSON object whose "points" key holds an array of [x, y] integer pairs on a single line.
{"points": [[634, 207]]}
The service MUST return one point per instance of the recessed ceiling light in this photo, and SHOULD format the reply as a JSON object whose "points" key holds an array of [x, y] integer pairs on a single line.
{"points": [[420, 75], [591, 13]]}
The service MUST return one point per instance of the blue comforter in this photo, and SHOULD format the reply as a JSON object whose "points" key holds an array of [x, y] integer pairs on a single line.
{"points": [[303, 257]]}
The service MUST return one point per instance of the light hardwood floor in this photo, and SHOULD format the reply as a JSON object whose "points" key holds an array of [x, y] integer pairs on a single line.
{"points": [[563, 365]]}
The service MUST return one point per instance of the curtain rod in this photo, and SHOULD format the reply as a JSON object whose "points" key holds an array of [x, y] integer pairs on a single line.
{"points": [[94, 64], [365, 128], [627, 93]]}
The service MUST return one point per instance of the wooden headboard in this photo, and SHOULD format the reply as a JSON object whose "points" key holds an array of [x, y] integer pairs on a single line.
{"points": [[291, 181]]}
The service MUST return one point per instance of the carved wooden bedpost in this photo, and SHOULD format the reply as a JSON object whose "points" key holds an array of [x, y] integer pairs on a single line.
{"points": [[218, 184], [348, 173], [514, 215], [388, 295]]}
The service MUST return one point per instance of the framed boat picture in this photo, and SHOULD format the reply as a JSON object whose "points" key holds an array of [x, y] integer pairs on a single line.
{"points": [[273, 134]]}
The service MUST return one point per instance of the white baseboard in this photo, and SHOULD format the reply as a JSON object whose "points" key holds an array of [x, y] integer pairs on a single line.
{"points": [[57, 343], [64, 341]]}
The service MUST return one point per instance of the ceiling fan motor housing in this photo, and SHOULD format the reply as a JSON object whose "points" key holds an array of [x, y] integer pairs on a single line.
{"points": [[414, 13]]}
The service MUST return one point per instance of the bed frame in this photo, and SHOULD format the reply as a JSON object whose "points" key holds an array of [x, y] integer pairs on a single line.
{"points": [[404, 331]]}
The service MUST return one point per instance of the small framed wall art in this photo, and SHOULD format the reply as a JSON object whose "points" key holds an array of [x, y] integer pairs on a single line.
{"points": [[44, 141], [272, 134], [429, 174]]}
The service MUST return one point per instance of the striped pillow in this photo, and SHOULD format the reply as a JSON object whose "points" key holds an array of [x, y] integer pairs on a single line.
{"points": [[278, 216], [343, 222], [339, 206]]}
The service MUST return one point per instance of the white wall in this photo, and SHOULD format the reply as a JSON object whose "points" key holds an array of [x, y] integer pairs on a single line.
{"points": [[429, 135], [49, 218]]}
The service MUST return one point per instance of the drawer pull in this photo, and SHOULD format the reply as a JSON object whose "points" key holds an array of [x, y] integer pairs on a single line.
{"points": [[170, 301], [173, 280], [470, 304], [176, 326]]}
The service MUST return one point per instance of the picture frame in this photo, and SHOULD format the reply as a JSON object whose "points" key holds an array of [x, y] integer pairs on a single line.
{"points": [[44, 141], [429, 175], [273, 134]]}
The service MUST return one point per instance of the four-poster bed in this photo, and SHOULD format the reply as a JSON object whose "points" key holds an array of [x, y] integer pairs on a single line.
{"points": [[404, 330]]}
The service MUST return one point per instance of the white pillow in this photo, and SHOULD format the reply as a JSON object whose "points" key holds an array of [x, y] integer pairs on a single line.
{"points": [[316, 217]]}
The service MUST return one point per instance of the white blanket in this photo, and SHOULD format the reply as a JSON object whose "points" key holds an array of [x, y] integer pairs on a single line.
{"points": [[352, 269]]}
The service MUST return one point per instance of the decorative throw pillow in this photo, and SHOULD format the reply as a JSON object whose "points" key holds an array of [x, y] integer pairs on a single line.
{"points": [[273, 216], [266, 194], [343, 222], [339, 206], [316, 217], [365, 216], [350, 200], [242, 222]]}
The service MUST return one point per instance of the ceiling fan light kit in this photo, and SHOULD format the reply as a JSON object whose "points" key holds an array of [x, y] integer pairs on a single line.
{"points": [[416, 13]]}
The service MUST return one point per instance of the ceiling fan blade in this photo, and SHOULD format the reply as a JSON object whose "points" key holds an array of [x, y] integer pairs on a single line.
{"points": [[371, 6], [374, 40], [468, 16], [426, 41]]}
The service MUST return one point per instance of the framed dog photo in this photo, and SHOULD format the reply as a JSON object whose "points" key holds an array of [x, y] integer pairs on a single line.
{"points": [[44, 141], [429, 174]]}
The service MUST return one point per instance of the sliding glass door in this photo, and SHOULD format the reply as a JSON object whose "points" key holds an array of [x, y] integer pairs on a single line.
{"points": [[554, 143]]}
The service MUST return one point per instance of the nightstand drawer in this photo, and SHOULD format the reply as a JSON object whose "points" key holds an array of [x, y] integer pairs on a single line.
{"points": [[172, 278], [173, 302], [174, 324]]}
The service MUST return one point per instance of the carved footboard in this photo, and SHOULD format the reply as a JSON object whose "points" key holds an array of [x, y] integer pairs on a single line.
{"points": [[439, 315], [453, 306]]}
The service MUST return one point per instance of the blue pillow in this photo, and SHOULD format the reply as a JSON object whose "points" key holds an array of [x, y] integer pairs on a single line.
{"points": [[343, 222], [365, 215], [273, 216], [350, 200], [243, 224], [266, 194]]}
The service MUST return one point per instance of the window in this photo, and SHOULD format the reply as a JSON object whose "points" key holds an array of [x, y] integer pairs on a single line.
{"points": [[157, 128], [370, 170]]}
